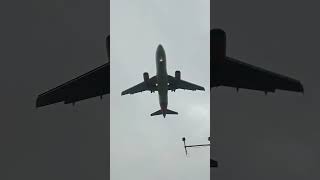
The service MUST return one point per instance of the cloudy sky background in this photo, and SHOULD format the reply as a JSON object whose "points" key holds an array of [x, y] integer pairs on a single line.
{"points": [[145, 147]]}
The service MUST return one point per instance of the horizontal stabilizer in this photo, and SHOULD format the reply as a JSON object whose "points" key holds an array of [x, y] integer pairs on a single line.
{"points": [[171, 112], [157, 113]]}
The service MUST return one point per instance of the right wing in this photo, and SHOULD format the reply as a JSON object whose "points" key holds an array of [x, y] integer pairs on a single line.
{"points": [[181, 84], [237, 74], [149, 86], [92, 84]]}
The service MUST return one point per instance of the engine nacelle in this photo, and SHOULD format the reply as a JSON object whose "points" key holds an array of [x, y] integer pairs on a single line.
{"points": [[218, 44], [178, 75], [145, 77]]}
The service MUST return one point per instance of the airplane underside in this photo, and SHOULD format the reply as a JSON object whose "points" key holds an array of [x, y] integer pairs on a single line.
{"points": [[162, 82]]}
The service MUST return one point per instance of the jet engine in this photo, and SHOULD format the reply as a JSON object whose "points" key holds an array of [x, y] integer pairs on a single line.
{"points": [[178, 75], [218, 45], [146, 77]]}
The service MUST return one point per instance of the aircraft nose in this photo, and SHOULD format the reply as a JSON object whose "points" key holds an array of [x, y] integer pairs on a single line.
{"points": [[160, 52], [160, 48]]}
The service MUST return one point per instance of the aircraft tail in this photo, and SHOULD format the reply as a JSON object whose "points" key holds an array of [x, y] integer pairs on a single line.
{"points": [[171, 112], [159, 112]]}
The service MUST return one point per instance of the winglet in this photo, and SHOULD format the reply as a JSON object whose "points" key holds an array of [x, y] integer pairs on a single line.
{"points": [[301, 88]]}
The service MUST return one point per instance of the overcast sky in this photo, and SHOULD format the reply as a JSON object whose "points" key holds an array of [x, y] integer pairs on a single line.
{"points": [[274, 136], [145, 147]]}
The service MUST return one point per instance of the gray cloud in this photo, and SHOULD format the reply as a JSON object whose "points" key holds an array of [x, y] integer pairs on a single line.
{"points": [[148, 147]]}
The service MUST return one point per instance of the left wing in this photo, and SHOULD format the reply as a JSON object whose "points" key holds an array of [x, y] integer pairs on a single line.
{"points": [[150, 85], [181, 84], [92, 84]]}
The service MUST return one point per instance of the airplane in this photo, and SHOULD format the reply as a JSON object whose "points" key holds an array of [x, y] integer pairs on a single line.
{"points": [[94, 83], [230, 72], [162, 82], [225, 71]]}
